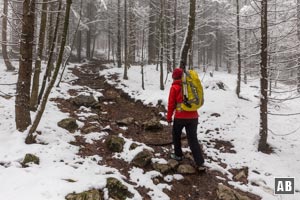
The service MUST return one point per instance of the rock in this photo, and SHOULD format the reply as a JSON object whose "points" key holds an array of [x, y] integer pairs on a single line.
{"points": [[215, 115], [153, 125], [117, 190], [173, 163], [90, 129], [162, 168], [93, 118], [142, 159], [186, 169], [133, 146], [115, 143], [125, 122], [30, 158], [226, 193], [84, 100], [242, 176], [87, 195], [68, 124]]}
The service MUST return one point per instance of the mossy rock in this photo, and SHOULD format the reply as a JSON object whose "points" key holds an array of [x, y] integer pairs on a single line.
{"points": [[142, 159], [68, 124], [117, 190], [87, 195], [30, 158], [115, 143], [162, 168]]}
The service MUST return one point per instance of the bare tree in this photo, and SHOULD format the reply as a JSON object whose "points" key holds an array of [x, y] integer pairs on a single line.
{"points": [[125, 76], [263, 131], [30, 137], [238, 87], [37, 68], [189, 34], [4, 43], [119, 42], [22, 104]]}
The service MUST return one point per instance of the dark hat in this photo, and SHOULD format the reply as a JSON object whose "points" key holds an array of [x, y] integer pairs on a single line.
{"points": [[177, 73]]}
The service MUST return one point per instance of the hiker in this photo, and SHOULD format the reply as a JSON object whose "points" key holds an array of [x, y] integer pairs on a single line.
{"points": [[183, 119]]}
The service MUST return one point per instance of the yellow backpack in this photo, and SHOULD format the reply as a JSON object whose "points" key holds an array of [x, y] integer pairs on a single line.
{"points": [[193, 97]]}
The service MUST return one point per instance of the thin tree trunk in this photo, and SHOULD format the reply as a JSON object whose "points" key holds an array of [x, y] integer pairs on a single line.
{"points": [[161, 44], [37, 68], [174, 34], [125, 76], [298, 34], [263, 131], [238, 87], [79, 45], [187, 44], [22, 109], [30, 138], [119, 42], [152, 49], [50, 61], [4, 43]]}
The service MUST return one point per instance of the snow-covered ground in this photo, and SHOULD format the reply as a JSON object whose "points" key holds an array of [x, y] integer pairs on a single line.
{"points": [[238, 123]]}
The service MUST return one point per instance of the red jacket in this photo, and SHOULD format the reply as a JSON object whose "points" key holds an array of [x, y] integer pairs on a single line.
{"points": [[175, 97]]}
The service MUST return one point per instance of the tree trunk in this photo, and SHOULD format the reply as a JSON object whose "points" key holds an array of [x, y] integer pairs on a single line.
{"points": [[187, 44], [125, 42], [119, 41], [37, 68], [4, 43], [22, 109], [298, 34], [30, 138], [88, 32], [79, 44], [238, 87], [132, 33], [152, 49], [263, 131], [161, 45], [174, 34], [51, 52]]}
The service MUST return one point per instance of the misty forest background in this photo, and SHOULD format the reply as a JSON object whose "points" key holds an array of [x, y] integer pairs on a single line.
{"points": [[250, 38]]}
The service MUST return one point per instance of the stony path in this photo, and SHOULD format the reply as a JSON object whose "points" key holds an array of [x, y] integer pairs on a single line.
{"points": [[115, 106]]}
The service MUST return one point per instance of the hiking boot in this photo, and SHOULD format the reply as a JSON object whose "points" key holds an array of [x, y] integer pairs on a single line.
{"points": [[174, 157], [201, 168]]}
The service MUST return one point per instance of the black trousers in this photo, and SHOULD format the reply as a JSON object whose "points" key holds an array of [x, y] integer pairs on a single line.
{"points": [[190, 126]]}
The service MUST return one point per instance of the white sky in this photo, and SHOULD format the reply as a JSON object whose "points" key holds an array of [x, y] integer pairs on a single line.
{"points": [[58, 160]]}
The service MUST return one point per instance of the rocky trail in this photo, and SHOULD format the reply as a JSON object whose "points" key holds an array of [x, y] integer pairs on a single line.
{"points": [[116, 113]]}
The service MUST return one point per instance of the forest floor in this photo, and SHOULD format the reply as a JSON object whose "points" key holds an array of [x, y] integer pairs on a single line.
{"points": [[204, 184]]}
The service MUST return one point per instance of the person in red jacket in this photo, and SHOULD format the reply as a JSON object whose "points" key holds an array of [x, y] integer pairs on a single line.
{"points": [[183, 119]]}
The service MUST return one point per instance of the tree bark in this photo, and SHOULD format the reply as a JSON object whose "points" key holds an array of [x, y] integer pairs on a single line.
{"points": [[152, 49], [4, 43], [22, 110], [263, 132], [119, 41], [51, 52], [174, 35], [125, 76], [187, 44], [161, 45], [238, 87], [298, 34], [37, 68], [30, 138]]}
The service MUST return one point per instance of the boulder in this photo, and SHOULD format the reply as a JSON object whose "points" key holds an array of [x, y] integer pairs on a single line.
{"points": [[30, 158], [186, 169], [84, 100], [162, 168], [125, 122], [117, 190], [142, 159], [68, 124], [115, 143], [226, 193], [90, 129], [153, 125], [173, 163], [87, 195]]}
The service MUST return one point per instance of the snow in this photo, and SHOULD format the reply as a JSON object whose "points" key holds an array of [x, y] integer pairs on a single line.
{"points": [[59, 162]]}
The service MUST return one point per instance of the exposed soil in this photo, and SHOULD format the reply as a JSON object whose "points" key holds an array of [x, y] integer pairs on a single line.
{"points": [[116, 105]]}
